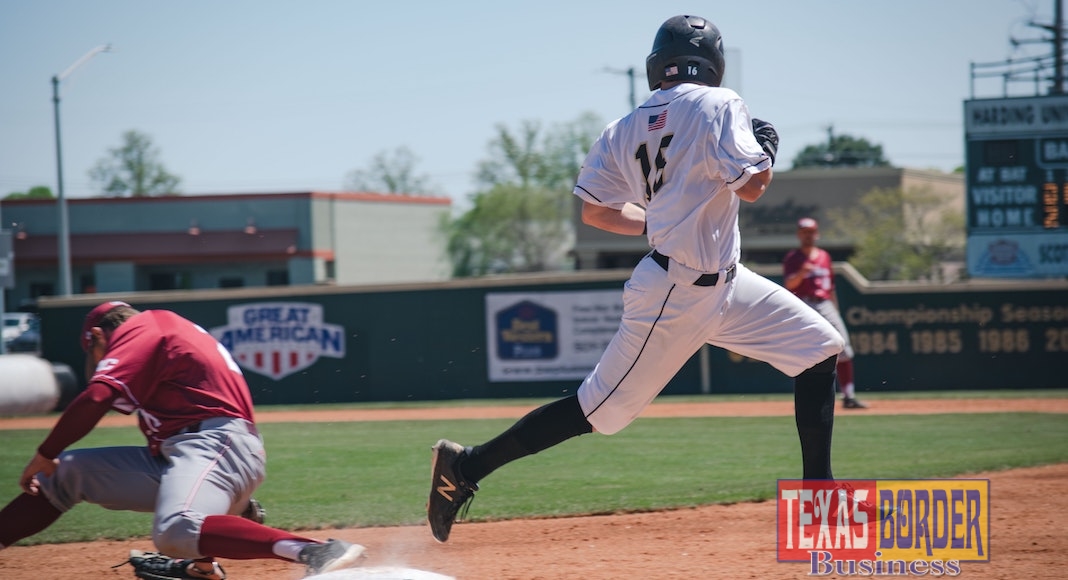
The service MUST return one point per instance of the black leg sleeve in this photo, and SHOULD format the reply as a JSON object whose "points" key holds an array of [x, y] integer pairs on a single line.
{"points": [[540, 429], [814, 396]]}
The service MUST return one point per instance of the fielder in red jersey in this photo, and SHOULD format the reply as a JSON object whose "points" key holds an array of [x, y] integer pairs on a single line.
{"points": [[808, 273], [203, 460]]}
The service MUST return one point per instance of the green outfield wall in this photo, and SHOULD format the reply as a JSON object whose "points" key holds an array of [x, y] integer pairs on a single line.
{"points": [[537, 335]]}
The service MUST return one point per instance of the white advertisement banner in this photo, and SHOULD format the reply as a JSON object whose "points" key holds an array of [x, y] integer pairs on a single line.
{"points": [[548, 336], [1026, 255]]}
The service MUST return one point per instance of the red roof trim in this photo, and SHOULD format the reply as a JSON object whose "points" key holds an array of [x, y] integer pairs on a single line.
{"points": [[168, 247]]}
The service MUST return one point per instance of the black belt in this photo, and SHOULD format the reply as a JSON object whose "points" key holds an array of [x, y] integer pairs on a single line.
{"points": [[704, 279]]}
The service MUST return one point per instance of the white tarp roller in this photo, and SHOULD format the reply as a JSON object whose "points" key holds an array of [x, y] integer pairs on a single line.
{"points": [[28, 385]]}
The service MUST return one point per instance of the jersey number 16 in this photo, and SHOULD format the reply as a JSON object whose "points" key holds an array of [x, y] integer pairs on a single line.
{"points": [[653, 181]]}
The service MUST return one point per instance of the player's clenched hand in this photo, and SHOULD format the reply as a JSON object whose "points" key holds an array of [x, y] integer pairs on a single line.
{"points": [[39, 464], [767, 136]]}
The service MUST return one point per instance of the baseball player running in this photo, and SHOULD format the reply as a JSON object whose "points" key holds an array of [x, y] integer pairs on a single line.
{"points": [[676, 169], [203, 460], [808, 273]]}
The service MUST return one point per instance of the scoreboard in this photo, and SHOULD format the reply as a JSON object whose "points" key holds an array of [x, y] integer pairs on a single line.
{"points": [[1017, 187]]}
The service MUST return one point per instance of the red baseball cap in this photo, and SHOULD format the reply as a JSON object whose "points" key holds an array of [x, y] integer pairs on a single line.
{"points": [[93, 319], [807, 224]]}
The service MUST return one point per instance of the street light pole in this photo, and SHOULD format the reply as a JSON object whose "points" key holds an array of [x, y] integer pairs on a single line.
{"points": [[64, 217]]}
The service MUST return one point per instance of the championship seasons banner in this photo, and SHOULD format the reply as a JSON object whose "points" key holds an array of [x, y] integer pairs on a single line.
{"points": [[548, 336], [921, 527]]}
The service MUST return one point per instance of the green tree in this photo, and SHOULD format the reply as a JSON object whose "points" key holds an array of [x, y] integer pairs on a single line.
{"points": [[534, 157], [901, 234], [520, 219], [510, 228], [133, 169], [841, 151], [391, 172], [37, 192]]}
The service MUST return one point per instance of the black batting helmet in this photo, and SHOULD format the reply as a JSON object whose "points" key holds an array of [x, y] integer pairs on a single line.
{"points": [[686, 48]]}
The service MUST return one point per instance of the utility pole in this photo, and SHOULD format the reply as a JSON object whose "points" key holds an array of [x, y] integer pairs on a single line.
{"points": [[1058, 47], [1031, 68], [61, 199], [1057, 28], [830, 156]]}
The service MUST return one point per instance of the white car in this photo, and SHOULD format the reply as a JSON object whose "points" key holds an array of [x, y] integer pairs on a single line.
{"points": [[15, 323]]}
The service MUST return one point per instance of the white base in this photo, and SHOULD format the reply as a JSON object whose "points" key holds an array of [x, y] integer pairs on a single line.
{"points": [[380, 573]]}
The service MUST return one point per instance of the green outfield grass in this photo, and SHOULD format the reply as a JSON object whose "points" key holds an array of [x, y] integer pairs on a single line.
{"points": [[323, 475]]}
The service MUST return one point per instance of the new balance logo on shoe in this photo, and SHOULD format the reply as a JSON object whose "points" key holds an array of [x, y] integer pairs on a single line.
{"points": [[447, 488]]}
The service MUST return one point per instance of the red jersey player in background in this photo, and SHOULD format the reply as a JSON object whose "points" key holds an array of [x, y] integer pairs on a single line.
{"points": [[203, 460], [807, 272]]}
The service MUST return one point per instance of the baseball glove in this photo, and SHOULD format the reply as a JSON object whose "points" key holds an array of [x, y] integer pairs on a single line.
{"points": [[156, 566], [254, 511], [767, 136]]}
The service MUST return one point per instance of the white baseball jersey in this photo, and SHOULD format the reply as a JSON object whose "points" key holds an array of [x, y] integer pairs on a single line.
{"points": [[691, 211], [682, 155]]}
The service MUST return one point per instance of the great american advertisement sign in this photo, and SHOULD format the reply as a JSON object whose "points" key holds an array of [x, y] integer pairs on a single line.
{"points": [[277, 339]]}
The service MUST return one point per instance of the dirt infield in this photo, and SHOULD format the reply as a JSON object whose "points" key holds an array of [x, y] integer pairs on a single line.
{"points": [[721, 541]]}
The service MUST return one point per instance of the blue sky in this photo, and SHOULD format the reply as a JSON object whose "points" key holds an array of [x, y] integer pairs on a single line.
{"points": [[270, 95]]}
